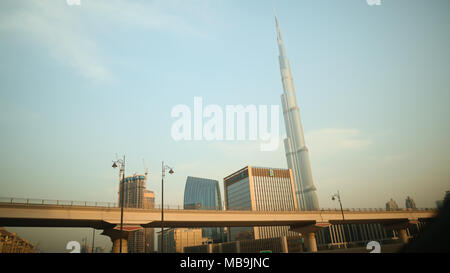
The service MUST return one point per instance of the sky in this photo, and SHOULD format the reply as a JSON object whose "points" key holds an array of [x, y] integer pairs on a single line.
{"points": [[79, 84]]}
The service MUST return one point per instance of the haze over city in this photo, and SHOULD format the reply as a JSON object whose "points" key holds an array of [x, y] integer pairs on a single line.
{"points": [[82, 83]]}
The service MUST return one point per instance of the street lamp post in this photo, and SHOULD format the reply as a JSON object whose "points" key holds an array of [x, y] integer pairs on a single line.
{"points": [[121, 163], [338, 196], [164, 168]]}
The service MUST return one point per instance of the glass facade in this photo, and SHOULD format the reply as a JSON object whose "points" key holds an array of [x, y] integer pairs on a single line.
{"points": [[238, 195], [204, 194], [260, 189], [274, 194]]}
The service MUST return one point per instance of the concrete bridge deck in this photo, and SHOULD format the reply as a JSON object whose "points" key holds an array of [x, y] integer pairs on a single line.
{"points": [[36, 215], [108, 218]]}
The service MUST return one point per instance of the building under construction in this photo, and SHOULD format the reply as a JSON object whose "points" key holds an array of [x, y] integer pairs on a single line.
{"points": [[135, 195]]}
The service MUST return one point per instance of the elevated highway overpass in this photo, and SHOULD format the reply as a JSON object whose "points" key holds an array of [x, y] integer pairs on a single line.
{"points": [[108, 219]]}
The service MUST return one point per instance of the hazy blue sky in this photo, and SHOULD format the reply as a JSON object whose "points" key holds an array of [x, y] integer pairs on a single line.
{"points": [[79, 84]]}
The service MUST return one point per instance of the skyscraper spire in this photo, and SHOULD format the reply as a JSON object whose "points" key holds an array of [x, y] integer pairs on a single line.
{"points": [[297, 154], [278, 26]]}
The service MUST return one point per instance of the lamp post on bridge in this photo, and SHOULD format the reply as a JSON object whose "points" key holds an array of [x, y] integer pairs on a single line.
{"points": [[121, 163], [338, 197], [164, 168]]}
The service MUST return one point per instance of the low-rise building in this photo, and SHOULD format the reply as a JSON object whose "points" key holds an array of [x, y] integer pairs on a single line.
{"points": [[11, 243]]}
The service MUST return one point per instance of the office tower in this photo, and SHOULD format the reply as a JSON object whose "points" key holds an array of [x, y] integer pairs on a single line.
{"points": [[176, 239], [409, 203], [391, 205], [204, 194], [297, 154], [260, 189]]}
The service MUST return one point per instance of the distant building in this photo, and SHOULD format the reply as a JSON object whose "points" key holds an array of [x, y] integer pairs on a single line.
{"points": [[86, 249], [260, 189], [409, 203], [204, 194], [136, 196], [11, 243], [440, 203], [133, 194], [175, 240], [391, 205], [149, 200], [99, 249], [447, 196]]}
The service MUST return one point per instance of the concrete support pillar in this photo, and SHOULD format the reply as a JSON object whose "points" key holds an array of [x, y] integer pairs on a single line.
{"points": [[116, 244], [310, 242], [401, 229], [115, 236], [284, 245], [308, 232], [403, 235]]}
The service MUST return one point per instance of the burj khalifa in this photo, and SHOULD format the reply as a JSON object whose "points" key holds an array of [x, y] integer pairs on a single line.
{"points": [[297, 154]]}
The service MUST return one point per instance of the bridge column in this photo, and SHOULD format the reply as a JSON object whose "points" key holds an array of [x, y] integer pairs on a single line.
{"points": [[403, 235], [209, 248], [310, 242], [309, 234], [400, 228], [115, 235], [284, 244]]}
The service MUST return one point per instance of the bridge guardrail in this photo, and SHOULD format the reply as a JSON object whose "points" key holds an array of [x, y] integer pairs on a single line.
{"points": [[34, 201]]}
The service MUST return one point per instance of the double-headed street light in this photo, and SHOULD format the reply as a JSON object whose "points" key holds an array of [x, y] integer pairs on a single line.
{"points": [[164, 169], [121, 163]]}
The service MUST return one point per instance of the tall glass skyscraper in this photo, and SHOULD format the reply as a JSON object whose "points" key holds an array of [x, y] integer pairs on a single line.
{"points": [[204, 194], [297, 154]]}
